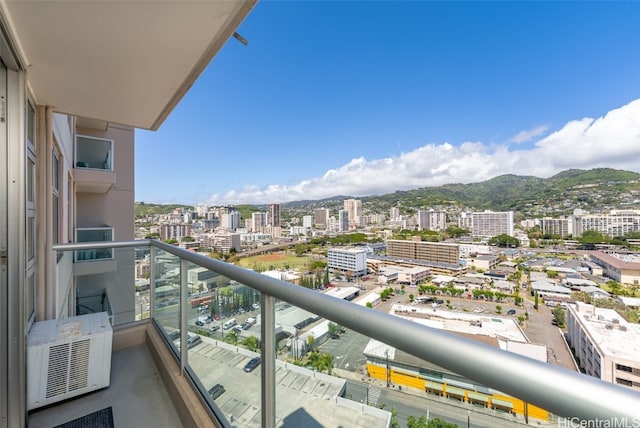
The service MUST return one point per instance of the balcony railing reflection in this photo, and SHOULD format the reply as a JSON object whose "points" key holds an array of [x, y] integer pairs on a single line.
{"points": [[175, 302]]}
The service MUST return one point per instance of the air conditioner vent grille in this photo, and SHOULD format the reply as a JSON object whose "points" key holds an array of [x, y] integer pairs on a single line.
{"points": [[79, 367], [57, 370]]}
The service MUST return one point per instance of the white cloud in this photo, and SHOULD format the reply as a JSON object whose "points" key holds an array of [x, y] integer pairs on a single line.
{"points": [[528, 135], [609, 141]]}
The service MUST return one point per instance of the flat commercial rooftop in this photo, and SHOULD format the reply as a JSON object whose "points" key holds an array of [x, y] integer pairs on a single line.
{"points": [[304, 397], [612, 333]]}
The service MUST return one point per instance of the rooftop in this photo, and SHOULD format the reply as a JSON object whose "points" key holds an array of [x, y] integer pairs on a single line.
{"points": [[612, 334]]}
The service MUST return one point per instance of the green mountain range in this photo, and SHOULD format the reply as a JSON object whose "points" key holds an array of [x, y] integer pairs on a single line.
{"points": [[593, 189]]}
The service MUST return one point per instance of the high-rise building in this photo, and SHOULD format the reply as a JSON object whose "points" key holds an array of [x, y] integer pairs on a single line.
{"points": [[488, 224], [353, 207], [613, 223], [258, 221], [562, 226], [343, 221], [307, 221], [432, 220], [394, 214], [273, 216], [321, 216]]}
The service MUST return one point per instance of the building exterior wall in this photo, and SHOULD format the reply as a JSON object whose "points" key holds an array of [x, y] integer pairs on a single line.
{"points": [[347, 260], [602, 344], [422, 250], [488, 224]]}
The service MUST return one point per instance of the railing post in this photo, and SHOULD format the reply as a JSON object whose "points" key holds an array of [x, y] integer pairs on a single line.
{"points": [[152, 281], [184, 345], [268, 376]]}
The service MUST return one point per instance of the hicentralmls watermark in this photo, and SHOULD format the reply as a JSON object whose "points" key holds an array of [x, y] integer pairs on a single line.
{"points": [[599, 423]]}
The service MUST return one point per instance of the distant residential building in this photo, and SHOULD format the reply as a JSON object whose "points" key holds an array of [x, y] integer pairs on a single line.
{"points": [[222, 242], [230, 220], [343, 221], [273, 217], [174, 231], [432, 220], [394, 214], [562, 226], [606, 346], [422, 250], [488, 224], [354, 209], [614, 223], [321, 216], [307, 221], [343, 260], [258, 221], [465, 221]]}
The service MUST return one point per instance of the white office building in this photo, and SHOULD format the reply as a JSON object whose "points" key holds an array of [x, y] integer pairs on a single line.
{"points": [[605, 345], [348, 260]]}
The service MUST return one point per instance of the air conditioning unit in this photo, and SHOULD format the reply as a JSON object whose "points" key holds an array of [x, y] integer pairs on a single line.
{"points": [[68, 357]]}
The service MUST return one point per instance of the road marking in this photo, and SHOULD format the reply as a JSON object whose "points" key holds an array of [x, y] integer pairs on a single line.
{"points": [[374, 396]]}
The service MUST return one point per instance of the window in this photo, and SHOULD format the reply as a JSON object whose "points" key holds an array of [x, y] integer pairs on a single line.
{"points": [[31, 210], [55, 195], [624, 382], [623, 368]]}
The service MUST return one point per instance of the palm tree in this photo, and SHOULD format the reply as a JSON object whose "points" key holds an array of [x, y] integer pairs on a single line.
{"points": [[231, 337], [251, 343]]}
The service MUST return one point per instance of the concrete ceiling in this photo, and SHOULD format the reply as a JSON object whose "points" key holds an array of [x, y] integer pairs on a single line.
{"points": [[121, 61]]}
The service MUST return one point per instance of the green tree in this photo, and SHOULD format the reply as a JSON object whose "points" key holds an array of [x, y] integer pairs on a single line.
{"points": [[231, 337], [334, 330], [310, 341], [369, 305], [251, 343], [536, 301], [559, 316], [504, 240], [498, 309]]}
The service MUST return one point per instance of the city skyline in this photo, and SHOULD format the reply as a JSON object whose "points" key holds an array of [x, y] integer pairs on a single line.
{"points": [[442, 92]]}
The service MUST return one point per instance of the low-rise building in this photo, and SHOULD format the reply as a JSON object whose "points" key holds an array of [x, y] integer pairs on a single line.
{"points": [[345, 260], [605, 345]]}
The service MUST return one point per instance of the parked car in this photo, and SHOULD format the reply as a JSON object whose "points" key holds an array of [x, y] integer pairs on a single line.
{"points": [[252, 364], [216, 391], [511, 312], [214, 328], [192, 340], [199, 323]]}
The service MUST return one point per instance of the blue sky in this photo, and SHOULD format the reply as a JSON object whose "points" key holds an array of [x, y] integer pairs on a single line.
{"points": [[361, 98]]}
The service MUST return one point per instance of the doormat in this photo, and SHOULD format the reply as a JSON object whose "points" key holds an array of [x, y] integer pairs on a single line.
{"points": [[100, 419]]}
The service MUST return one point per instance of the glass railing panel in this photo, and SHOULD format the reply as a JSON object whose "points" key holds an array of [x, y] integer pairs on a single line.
{"points": [[94, 234], [321, 373], [118, 286], [166, 287], [372, 382], [223, 319], [94, 153]]}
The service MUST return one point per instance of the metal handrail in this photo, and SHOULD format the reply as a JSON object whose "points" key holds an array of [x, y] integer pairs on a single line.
{"points": [[558, 390]]}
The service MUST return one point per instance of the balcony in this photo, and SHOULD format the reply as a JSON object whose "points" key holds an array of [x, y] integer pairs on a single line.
{"points": [[395, 361], [95, 259], [93, 171]]}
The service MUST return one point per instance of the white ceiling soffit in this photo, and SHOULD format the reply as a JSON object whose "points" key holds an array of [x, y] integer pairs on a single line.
{"points": [[121, 61]]}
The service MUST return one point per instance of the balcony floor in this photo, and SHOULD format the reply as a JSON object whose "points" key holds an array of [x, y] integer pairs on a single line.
{"points": [[136, 394]]}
